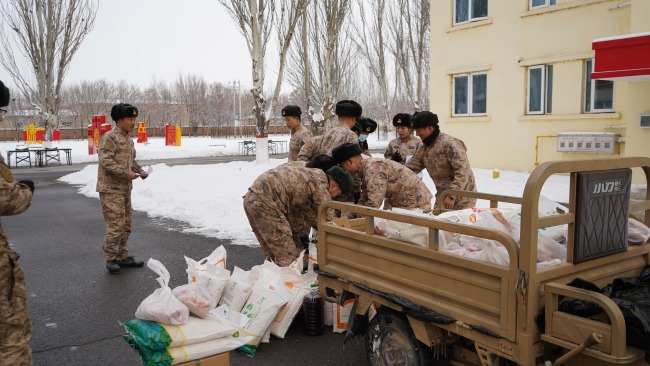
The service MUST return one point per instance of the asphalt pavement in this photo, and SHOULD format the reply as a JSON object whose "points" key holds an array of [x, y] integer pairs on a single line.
{"points": [[76, 306]]}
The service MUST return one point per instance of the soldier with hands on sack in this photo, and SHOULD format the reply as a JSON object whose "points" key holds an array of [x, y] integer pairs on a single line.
{"points": [[117, 169], [445, 158], [15, 327], [384, 179], [347, 111], [299, 133], [290, 188], [405, 144]]}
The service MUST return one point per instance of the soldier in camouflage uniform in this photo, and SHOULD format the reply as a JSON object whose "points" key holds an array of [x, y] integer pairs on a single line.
{"points": [[347, 111], [117, 169], [15, 327], [366, 127], [445, 159], [400, 148], [384, 179], [299, 133], [289, 188]]}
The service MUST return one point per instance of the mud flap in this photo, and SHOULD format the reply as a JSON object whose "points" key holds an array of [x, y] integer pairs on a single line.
{"points": [[357, 324]]}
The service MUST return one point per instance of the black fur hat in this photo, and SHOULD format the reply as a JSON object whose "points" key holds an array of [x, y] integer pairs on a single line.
{"points": [[123, 110], [368, 125], [348, 108], [291, 111], [402, 119], [321, 161], [4, 95], [345, 151], [424, 119], [342, 177]]}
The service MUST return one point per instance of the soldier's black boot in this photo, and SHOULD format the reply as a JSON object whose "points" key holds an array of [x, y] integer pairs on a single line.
{"points": [[130, 262], [113, 267]]}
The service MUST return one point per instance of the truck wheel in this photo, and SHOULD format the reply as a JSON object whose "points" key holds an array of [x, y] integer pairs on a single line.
{"points": [[390, 341]]}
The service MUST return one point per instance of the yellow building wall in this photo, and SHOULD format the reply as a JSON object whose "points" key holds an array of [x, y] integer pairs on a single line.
{"points": [[504, 45]]}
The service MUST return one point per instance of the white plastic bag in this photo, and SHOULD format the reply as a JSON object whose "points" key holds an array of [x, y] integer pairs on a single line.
{"points": [[196, 297], [214, 278], [413, 234], [637, 232], [312, 256], [162, 306], [217, 258]]}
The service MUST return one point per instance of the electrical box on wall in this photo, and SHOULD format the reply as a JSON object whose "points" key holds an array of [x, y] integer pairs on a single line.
{"points": [[645, 120], [588, 142]]}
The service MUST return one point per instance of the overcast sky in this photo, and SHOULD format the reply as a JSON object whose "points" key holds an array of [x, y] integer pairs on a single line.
{"points": [[139, 40]]}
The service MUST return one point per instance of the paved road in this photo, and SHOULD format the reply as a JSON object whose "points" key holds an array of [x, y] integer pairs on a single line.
{"points": [[76, 305]]}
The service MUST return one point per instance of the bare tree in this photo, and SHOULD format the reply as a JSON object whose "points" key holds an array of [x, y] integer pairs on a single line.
{"points": [[320, 62], [48, 33], [409, 28], [371, 42], [256, 19]]}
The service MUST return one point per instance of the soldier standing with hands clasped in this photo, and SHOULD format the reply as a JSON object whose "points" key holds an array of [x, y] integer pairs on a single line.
{"points": [[15, 327], [117, 169]]}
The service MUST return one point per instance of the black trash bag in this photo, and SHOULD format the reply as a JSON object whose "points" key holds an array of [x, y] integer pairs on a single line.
{"points": [[581, 308]]}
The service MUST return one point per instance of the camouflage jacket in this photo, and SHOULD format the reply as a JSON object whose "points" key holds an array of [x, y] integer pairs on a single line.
{"points": [[447, 164], [15, 198], [116, 159], [406, 147], [298, 138], [324, 144], [386, 179], [292, 188]]}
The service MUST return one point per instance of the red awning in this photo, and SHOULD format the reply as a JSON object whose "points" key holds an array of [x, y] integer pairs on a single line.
{"points": [[622, 58]]}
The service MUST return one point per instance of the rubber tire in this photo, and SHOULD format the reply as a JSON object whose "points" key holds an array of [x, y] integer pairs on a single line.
{"points": [[390, 341]]}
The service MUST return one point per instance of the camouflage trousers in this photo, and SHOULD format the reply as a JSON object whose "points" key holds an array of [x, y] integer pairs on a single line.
{"points": [[117, 210], [272, 230], [15, 327]]}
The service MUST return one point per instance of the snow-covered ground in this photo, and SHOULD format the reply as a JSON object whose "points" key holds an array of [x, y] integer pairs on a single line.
{"points": [[208, 198]]}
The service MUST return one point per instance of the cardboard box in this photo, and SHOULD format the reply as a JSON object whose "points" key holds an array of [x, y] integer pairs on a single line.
{"points": [[222, 359]]}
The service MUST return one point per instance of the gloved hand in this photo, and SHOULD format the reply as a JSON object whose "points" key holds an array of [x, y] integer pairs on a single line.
{"points": [[28, 183], [396, 157], [357, 197]]}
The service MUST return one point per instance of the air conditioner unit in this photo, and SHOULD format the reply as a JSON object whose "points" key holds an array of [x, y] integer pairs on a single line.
{"points": [[645, 120]]}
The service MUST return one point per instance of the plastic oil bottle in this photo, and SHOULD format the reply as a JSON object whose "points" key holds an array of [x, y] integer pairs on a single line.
{"points": [[313, 323]]}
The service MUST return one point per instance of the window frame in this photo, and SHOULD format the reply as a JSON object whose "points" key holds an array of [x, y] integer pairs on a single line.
{"points": [[592, 90], [470, 94], [547, 3], [546, 93], [469, 13]]}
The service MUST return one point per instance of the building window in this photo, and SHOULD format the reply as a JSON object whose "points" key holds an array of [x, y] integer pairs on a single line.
{"points": [[469, 10], [470, 94], [599, 94], [535, 4], [540, 89]]}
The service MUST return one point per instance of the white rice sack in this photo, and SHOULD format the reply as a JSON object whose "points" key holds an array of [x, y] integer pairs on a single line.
{"points": [[341, 315], [327, 311], [268, 296], [162, 306], [298, 264], [297, 288], [413, 234], [214, 278], [238, 288]]}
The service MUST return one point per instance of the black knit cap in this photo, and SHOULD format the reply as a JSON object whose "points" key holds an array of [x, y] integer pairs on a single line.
{"points": [[368, 125], [348, 108], [345, 151], [4, 95], [424, 119], [402, 119], [123, 110], [321, 161], [342, 177], [291, 111]]}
